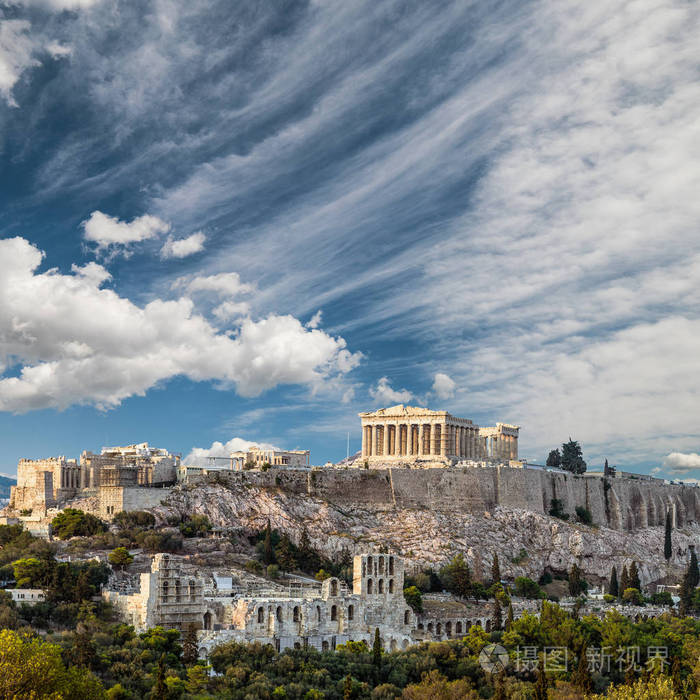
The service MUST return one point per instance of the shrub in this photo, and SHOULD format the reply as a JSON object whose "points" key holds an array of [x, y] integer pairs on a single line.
{"points": [[609, 598], [632, 596], [196, 526], [72, 522], [134, 519], [556, 509], [584, 515], [273, 571], [413, 598], [120, 557], [662, 598], [527, 588]]}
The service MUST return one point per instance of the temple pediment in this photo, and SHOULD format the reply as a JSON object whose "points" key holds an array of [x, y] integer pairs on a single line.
{"points": [[400, 411]]}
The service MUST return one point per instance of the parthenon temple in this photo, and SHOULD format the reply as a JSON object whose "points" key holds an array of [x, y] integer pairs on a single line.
{"points": [[407, 433]]}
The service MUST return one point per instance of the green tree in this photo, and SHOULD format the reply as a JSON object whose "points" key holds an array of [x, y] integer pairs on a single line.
{"points": [[576, 586], [541, 683], [72, 522], [581, 677], [31, 572], [624, 580], [159, 691], [120, 558], [495, 570], [572, 457], [268, 551], [554, 459], [633, 577], [527, 588], [632, 596], [693, 571], [456, 577], [668, 548], [377, 649], [509, 617], [190, 651], [285, 554], [497, 619], [414, 598], [614, 588]]}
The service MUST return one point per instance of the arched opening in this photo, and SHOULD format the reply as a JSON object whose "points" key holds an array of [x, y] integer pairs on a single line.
{"points": [[393, 646], [406, 617], [430, 627], [318, 613], [369, 565], [438, 628], [261, 615], [458, 628], [297, 645], [279, 614], [351, 612], [478, 623], [334, 588], [381, 565], [324, 646], [488, 625], [391, 566], [369, 586], [404, 644], [380, 586], [295, 614], [177, 591], [334, 612], [191, 587], [165, 590], [391, 585], [448, 629], [206, 620]]}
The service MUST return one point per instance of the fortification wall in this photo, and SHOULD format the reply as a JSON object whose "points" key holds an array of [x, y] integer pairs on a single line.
{"points": [[619, 503]]}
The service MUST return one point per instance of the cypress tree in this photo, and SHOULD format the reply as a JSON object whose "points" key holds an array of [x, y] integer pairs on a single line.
{"points": [[693, 571], [575, 580], [268, 551], [614, 588], [668, 550], [495, 570], [377, 649], [581, 677], [160, 689], [634, 581], [541, 682], [497, 620], [686, 596], [624, 581], [509, 617]]}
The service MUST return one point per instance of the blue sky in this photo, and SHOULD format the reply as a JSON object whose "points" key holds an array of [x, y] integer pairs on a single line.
{"points": [[225, 222]]}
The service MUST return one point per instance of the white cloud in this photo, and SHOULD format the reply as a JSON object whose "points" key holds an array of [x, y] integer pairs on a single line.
{"points": [[199, 456], [384, 395], [109, 232], [17, 48], [86, 345], [58, 5], [183, 247], [315, 320], [682, 463], [443, 386], [228, 310], [223, 284]]}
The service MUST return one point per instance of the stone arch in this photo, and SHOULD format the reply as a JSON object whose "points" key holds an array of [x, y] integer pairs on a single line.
{"points": [[391, 585], [438, 629], [430, 627], [191, 588], [334, 613], [334, 588], [318, 613], [278, 613], [420, 626], [381, 565], [380, 586], [202, 652], [177, 590], [351, 612], [404, 644], [488, 626], [393, 646], [165, 590], [297, 645], [261, 614], [458, 627], [206, 620], [296, 615], [448, 628], [391, 566], [324, 645], [407, 617], [369, 586]]}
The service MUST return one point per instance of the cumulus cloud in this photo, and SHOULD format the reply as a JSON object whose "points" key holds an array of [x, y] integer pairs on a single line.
{"points": [[223, 284], [109, 232], [84, 344], [443, 386], [200, 456], [183, 247], [17, 48], [682, 463], [384, 395]]}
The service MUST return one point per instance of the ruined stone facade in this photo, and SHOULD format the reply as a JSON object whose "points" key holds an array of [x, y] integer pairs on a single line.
{"points": [[43, 483], [257, 456], [153, 466], [411, 434]]}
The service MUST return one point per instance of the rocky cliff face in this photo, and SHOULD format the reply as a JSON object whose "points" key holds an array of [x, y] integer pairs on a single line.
{"points": [[526, 542]]}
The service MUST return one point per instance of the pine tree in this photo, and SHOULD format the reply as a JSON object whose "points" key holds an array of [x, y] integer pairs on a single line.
{"points": [[575, 584], [541, 683], [572, 457], [634, 581], [624, 581], [497, 620], [190, 652], [509, 617], [83, 589], [554, 459], [377, 649], [614, 588], [268, 551], [495, 570], [668, 549]]}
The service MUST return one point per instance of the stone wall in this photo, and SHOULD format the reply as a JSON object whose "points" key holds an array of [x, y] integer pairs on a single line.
{"points": [[113, 499], [618, 503]]}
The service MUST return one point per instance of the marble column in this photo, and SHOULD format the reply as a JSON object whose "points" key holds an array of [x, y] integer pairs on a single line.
{"points": [[385, 435]]}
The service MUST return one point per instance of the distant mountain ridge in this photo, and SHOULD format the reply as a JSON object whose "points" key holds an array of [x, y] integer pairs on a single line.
{"points": [[5, 483]]}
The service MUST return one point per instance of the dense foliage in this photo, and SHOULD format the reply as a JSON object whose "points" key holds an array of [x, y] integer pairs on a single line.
{"points": [[72, 522]]}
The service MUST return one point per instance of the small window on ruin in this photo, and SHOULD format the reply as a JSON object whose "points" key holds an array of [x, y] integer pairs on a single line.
{"points": [[380, 586], [391, 585], [369, 586], [318, 613], [458, 628], [381, 565], [351, 612], [165, 590], [430, 627], [391, 566], [369, 564], [279, 614], [438, 629], [420, 625], [261, 615], [334, 588], [191, 587], [406, 617], [177, 591], [324, 646], [295, 614], [448, 628], [334, 613]]}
